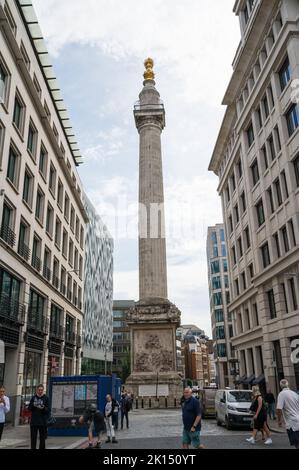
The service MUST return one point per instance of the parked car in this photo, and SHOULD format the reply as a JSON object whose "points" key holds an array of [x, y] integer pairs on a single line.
{"points": [[207, 397], [233, 408]]}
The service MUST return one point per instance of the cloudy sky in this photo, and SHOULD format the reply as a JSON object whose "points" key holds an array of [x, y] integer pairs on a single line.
{"points": [[98, 48]]}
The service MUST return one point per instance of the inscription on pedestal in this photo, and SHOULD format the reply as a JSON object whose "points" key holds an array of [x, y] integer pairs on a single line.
{"points": [[152, 390]]}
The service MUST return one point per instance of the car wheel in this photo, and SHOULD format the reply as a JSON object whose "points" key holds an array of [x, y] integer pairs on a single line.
{"points": [[227, 424], [217, 421]]}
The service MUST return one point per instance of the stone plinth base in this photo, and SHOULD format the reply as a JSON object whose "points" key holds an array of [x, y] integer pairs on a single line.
{"points": [[153, 324]]}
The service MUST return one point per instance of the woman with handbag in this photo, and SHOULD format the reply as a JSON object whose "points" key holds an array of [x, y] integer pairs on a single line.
{"points": [[260, 417]]}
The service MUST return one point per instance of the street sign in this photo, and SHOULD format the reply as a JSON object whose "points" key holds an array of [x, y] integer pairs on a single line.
{"points": [[2, 352]]}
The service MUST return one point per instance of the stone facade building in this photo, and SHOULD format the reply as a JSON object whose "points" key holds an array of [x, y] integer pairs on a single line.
{"points": [[219, 302], [256, 158], [42, 217]]}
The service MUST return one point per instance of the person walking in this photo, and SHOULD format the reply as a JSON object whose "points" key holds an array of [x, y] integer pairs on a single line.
{"points": [[125, 407], [40, 411], [270, 400], [4, 409], [191, 414], [96, 423], [288, 409], [260, 417], [108, 420]]}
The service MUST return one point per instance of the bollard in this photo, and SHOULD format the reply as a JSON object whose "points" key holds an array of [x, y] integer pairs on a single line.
{"points": [[150, 403], [175, 402], [165, 402], [136, 404], [142, 403]]}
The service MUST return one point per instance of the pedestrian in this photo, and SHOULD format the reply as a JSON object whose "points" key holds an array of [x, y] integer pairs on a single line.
{"points": [[258, 407], [116, 407], [4, 409], [108, 420], [270, 400], [40, 411], [96, 424], [288, 408], [125, 407], [191, 411]]}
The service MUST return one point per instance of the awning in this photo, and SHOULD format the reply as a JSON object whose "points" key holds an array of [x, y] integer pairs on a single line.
{"points": [[241, 380], [259, 380], [249, 380]]}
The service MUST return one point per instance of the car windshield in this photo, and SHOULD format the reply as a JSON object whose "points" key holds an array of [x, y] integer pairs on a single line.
{"points": [[239, 397]]}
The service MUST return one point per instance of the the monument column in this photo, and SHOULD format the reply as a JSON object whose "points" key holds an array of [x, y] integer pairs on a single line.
{"points": [[154, 319]]}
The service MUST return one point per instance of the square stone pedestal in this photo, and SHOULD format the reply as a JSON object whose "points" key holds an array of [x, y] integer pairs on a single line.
{"points": [[153, 325]]}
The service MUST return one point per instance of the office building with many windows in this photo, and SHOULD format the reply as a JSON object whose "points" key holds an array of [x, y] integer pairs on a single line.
{"points": [[42, 216], [121, 338], [256, 158], [219, 302]]}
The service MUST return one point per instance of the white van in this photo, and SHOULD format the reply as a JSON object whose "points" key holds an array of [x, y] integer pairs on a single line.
{"points": [[233, 408]]}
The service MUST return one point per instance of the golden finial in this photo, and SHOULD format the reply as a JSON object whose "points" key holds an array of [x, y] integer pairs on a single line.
{"points": [[149, 73]]}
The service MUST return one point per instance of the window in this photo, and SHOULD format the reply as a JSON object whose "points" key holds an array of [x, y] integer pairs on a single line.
{"points": [[66, 207], [36, 317], [80, 267], [37, 86], [251, 272], [32, 140], [265, 157], [293, 293], [52, 179], [296, 168], [77, 229], [240, 168], [292, 117], [237, 287], [4, 83], [284, 291], [60, 194], [2, 132], [55, 132], [220, 334], [230, 221], [76, 260], [234, 255], [277, 245], [243, 202], [57, 232], [285, 238], [72, 219], [64, 243], [225, 266], [227, 194], [47, 111], [221, 350], [7, 233], [277, 138], [81, 237], [226, 282], [63, 280], [10, 293], [39, 207], [250, 135], [271, 96], [43, 161], [13, 167], [236, 211], [233, 182], [247, 237], [260, 213], [216, 283], [255, 173], [49, 220], [217, 299], [278, 192], [256, 314], [56, 321], [36, 253], [56, 273], [71, 253], [259, 117], [292, 232], [28, 187], [25, 55], [10, 19], [271, 147], [47, 265], [265, 255], [271, 303], [270, 199], [23, 248], [285, 184], [19, 114], [285, 74], [266, 106], [240, 246]]}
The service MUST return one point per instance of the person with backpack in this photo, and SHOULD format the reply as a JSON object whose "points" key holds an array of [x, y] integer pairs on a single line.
{"points": [[259, 409], [96, 424], [40, 412], [125, 408]]}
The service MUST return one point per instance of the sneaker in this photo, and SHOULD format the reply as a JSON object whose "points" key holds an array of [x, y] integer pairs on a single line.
{"points": [[98, 445], [108, 440], [268, 441], [251, 440], [114, 441]]}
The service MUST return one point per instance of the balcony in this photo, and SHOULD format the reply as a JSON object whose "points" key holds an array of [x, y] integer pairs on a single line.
{"points": [[24, 251], [8, 235], [57, 332], [55, 282], [36, 263], [47, 273], [37, 322], [11, 310], [70, 338]]}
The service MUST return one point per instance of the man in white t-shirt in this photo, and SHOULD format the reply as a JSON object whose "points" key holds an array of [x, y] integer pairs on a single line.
{"points": [[288, 409]]}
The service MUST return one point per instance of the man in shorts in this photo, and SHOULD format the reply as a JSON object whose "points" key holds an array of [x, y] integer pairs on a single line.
{"points": [[191, 411]]}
